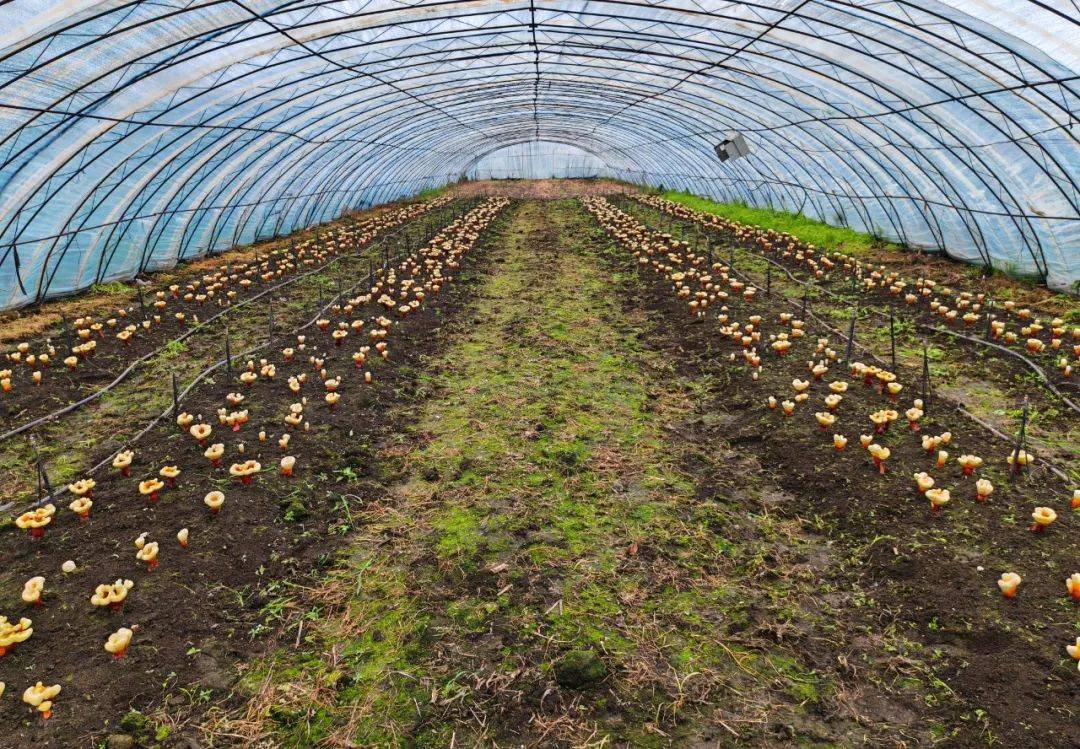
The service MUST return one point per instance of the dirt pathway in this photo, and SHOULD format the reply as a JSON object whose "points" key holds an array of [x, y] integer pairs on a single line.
{"points": [[564, 559]]}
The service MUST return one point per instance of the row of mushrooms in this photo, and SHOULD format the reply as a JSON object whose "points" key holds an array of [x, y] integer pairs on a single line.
{"points": [[396, 292], [703, 287]]}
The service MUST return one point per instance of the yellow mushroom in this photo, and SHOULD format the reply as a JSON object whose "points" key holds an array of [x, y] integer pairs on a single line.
{"points": [[170, 473], [150, 489], [1043, 516], [244, 471], [924, 481], [81, 507], [214, 500], [118, 642], [913, 415], [200, 432], [214, 453], [1008, 583], [111, 594], [969, 463], [1018, 460], [1072, 585], [148, 553], [82, 488], [983, 489], [879, 454], [287, 464], [938, 498], [122, 462], [40, 697], [32, 590], [35, 521], [12, 633]]}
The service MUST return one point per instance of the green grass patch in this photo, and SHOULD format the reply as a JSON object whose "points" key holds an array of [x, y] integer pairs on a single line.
{"points": [[807, 229]]}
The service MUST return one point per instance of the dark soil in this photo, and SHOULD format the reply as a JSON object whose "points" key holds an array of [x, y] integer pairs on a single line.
{"points": [[204, 608], [932, 576], [62, 386], [837, 289]]}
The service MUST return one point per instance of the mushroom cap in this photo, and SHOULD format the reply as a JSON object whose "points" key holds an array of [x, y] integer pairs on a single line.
{"points": [[150, 486]]}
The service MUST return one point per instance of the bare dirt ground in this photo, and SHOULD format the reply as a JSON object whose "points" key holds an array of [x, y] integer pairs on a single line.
{"points": [[540, 189]]}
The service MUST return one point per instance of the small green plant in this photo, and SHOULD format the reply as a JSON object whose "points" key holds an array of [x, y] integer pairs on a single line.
{"points": [[112, 288]]}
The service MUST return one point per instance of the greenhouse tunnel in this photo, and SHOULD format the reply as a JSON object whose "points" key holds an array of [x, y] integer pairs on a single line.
{"points": [[134, 135]]}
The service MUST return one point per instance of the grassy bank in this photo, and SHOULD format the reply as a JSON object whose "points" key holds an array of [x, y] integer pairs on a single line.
{"points": [[807, 229]]}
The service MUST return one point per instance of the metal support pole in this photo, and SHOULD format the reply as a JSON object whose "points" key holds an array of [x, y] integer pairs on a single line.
{"points": [[66, 328], [1020, 437], [175, 397], [44, 475]]}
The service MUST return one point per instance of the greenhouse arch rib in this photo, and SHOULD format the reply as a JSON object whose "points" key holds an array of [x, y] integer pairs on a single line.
{"points": [[136, 135]]}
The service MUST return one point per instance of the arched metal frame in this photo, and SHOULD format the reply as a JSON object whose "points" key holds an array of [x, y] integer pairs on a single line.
{"points": [[134, 134]]}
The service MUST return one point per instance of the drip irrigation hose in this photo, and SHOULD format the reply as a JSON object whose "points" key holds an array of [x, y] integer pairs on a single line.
{"points": [[201, 376], [956, 406], [146, 357], [1043, 380], [347, 221]]}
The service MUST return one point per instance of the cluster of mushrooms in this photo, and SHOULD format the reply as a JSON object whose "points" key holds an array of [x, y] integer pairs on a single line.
{"points": [[715, 287], [396, 292], [1008, 323], [183, 304]]}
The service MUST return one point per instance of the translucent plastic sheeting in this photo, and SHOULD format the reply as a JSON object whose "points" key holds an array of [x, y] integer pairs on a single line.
{"points": [[537, 160], [137, 134]]}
